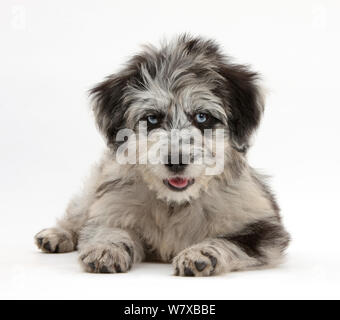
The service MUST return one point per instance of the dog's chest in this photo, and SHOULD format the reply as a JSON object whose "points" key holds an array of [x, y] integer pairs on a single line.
{"points": [[167, 231]]}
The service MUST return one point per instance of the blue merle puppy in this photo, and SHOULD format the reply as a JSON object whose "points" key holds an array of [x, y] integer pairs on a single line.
{"points": [[204, 224]]}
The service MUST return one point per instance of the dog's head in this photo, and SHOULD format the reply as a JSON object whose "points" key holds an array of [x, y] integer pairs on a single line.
{"points": [[189, 90]]}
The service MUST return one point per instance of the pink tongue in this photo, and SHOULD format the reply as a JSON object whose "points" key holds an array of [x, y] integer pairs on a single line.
{"points": [[178, 182]]}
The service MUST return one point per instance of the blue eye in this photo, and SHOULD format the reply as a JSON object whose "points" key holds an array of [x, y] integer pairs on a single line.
{"points": [[152, 120], [201, 117]]}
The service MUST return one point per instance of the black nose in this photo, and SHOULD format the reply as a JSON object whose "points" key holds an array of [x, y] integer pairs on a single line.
{"points": [[177, 166]]}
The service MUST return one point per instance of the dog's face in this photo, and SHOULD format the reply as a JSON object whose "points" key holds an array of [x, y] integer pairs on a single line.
{"points": [[192, 109]]}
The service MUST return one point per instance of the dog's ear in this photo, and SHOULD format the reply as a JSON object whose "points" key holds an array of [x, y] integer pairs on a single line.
{"points": [[108, 105], [243, 101]]}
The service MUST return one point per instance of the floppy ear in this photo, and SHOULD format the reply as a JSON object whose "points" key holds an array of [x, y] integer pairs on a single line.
{"points": [[244, 103], [108, 105]]}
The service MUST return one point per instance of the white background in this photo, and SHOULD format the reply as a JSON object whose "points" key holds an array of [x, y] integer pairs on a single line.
{"points": [[52, 52]]}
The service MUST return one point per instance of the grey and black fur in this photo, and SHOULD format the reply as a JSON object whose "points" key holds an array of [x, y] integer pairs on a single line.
{"points": [[127, 214]]}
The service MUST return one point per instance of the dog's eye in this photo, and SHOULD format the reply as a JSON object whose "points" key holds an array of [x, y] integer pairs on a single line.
{"points": [[152, 120], [204, 120], [201, 117]]}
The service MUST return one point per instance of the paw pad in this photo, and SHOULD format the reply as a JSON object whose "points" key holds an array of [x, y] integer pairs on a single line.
{"points": [[200, 265], [195, 261]]}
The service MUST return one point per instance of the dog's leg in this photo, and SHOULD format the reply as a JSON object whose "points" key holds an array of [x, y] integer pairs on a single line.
{"points": [[64, 237], [259, 244], [108, 250]]}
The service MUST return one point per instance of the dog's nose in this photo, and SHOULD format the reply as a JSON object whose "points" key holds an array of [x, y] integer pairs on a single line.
{"points": [[179, 166]]}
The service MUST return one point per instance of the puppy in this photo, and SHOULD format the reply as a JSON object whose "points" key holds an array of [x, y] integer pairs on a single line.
{"points": [[204, 218]]}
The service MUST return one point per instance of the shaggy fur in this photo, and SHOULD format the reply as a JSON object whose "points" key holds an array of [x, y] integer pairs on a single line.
{"points": [[126, 213]]}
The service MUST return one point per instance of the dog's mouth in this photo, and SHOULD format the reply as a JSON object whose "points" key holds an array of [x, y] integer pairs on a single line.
{"points": [[178, 183]]}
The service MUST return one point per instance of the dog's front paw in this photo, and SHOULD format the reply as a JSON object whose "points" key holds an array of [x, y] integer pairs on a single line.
{"points": [[197, 261], [54, 240], [107, 258]]}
